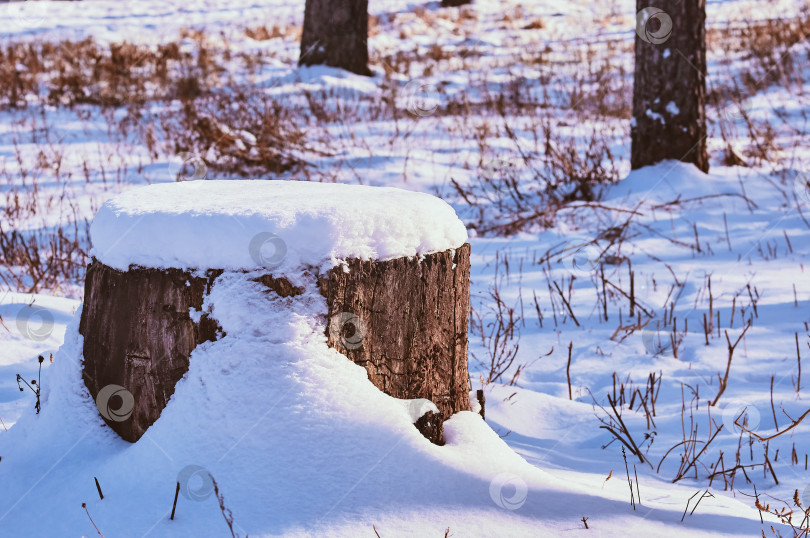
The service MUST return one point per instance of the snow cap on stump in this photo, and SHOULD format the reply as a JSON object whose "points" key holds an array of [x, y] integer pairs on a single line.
{"points": [[277, 225]]}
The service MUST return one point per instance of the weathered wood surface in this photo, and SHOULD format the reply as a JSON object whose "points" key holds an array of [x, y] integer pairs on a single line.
{"points": [[138, 334], [411, 314], [416, 316]]}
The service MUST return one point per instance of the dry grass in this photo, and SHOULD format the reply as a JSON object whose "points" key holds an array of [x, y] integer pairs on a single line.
{"points": [[196, 96]]}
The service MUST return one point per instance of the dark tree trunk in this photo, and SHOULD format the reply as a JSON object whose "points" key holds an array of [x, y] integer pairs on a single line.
{"points": [[404, 320], [336, 34], [669, 93], [415, 315], [138, 335], [455, 3]]}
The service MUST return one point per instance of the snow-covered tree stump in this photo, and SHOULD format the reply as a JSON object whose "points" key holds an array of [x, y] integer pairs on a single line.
{"points": [[393, 267]]}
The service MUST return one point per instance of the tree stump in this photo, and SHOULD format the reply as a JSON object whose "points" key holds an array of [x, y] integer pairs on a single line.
{"points": [[405, 320]]}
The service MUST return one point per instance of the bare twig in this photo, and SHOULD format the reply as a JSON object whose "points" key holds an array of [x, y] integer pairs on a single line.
{"points": [[565, 302], [799, 361], [774, 436], [174, 505], [702, 450], [84, 505], [773, 409], [629, 484], [226, 512], [724, 379], [568, 370]]}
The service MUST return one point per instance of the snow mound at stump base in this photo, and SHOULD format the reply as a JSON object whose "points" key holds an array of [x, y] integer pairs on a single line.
{"points": [[301, 444], [294, 433]]}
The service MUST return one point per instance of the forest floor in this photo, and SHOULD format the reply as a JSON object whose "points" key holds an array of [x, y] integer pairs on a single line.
{"points": [[662, 311]]}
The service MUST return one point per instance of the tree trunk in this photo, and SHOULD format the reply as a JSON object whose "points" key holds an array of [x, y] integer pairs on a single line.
{"points": [[669, 93], [404, 320], [335, 33]]}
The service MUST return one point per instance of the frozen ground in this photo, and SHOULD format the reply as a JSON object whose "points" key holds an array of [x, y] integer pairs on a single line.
{"points": [[744, 227]]}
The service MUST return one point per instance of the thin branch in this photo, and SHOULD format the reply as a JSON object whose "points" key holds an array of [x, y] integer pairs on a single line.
{"points": [[724, 380], [774, 436]]}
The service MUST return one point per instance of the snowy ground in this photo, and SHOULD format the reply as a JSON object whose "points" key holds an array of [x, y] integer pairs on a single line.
{"points": [[743, 226]]}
